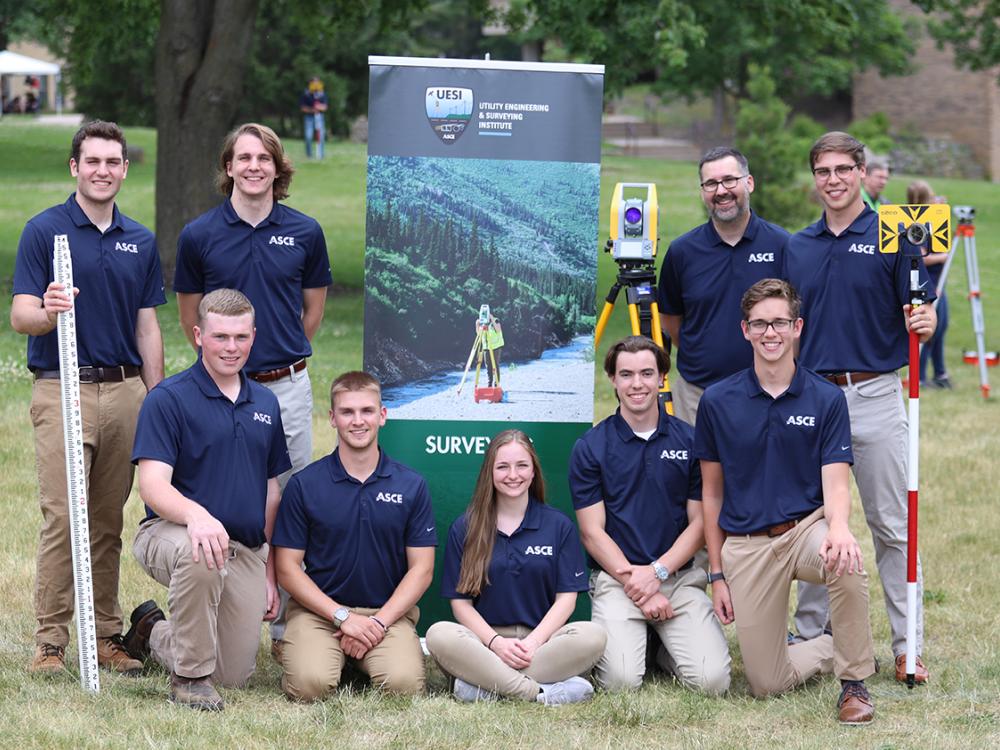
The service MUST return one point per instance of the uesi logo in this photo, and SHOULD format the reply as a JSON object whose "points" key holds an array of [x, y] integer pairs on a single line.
{"points": [[539, 549], [127, 247], [259, 417], [449, 111], [801, 421], [279, 240], [390, 497]]}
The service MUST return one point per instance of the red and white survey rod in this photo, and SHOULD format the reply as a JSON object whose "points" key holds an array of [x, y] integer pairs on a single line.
{"points": [[917, 297]]}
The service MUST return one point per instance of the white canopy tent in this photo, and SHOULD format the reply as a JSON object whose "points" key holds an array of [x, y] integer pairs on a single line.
{"points": [[11, 63]]}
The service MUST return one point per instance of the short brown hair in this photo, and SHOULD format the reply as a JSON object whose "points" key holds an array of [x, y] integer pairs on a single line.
{"points": [[919, 192], [837, 141], [771, 289], [355, 380], [632, 345], [228, 302], [282, 164], [109, 131]]}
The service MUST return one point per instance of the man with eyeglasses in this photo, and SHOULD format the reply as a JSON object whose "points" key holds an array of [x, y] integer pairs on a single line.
{"points": [[704, 273], [774, 443], [857, 316]]}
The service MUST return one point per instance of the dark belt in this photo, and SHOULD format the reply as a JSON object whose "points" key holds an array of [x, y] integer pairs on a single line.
{"points": [[841, 378], [115, 374], [778, 530], [269, 376]]}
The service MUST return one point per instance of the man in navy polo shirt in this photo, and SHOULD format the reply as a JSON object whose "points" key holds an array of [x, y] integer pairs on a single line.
{"points": [[210, 447], [277, 257], [362, 526], [118, 281], [636, 490], [856, 312], [706, 271], [774, 443]]}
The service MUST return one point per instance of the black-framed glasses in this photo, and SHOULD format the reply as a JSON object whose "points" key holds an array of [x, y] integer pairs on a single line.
{"points": [[711, 186], [841, 170], [780, 325]]}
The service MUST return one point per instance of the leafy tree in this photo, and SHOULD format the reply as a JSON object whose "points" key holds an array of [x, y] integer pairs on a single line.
{"points": [[773, 151], [691, 49], [970, 27]]}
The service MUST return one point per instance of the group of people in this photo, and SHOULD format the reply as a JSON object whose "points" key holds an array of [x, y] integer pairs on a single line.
{"points": [[787, 351]]}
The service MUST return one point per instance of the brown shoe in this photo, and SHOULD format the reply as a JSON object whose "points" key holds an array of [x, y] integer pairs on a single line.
{"points": [[144, 617], [855, 704], [195, 692], [921, 675], [277, 649], [111, 655], [49, 659]]}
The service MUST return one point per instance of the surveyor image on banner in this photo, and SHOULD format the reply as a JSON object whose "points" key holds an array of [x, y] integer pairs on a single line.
{"points": [[471, 258]]}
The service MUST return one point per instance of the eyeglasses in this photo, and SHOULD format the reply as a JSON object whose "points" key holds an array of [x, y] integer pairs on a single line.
{"points": [[711, 186], [780, 325], [841, 170]]}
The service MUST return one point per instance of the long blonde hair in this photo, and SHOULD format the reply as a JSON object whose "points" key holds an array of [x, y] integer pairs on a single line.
{"points": [[481, 515]]}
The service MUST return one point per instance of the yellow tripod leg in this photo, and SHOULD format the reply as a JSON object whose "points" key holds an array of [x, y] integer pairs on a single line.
{"points": [[602, 322], [668, 398]]}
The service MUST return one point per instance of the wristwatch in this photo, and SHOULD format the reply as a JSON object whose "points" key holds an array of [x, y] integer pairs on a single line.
{"points": [[340, 616], [661, 570], [713, 577]]}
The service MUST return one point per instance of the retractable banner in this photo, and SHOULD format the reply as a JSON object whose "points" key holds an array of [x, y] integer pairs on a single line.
{"points": [[481, 266]]}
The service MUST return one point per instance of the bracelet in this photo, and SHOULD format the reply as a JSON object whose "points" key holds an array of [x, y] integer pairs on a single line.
{"points": [[373, 617], [490, 644]]}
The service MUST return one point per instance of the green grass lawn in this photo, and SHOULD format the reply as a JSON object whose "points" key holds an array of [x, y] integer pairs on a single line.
{"points": [[959, 531]]}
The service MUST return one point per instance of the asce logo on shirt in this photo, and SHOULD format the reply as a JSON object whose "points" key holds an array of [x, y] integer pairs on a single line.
{"points": [[279, 240], [539, 549], [801, 421], [675, 455], [127, 247], [390, 497], [258, 417], [859, 248], [760, 258]]}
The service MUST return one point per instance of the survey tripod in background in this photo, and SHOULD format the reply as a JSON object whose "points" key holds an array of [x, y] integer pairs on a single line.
{"points": [[965, 229], [633, 246], [489, 339]]}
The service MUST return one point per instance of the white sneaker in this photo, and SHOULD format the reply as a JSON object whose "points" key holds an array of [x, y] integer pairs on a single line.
{"points": [[573, 690], [469, 693]]}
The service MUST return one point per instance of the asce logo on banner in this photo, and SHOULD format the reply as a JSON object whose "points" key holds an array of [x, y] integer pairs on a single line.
{"points": [[449, 111]]}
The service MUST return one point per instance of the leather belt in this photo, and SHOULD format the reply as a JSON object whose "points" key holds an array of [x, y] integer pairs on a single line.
{"points": [[778, 530], [115, 374], [846, 378], [269, 376]]}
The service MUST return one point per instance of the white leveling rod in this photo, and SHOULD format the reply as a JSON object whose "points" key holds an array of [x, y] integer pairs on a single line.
{"points": [[76, 480]]}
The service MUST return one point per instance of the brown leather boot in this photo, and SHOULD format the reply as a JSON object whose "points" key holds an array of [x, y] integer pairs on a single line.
{"points": [[49, 659], [111, 655], [195, 692]]}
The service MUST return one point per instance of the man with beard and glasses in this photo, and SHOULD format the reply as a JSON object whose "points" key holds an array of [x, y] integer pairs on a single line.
{"points": [[705, 273]]}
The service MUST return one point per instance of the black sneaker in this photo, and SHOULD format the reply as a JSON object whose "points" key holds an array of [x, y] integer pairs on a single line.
{"points": [[943, 381], [144, 617]]}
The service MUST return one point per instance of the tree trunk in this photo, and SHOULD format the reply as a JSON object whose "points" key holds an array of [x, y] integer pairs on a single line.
{"points": [[202, 52]]}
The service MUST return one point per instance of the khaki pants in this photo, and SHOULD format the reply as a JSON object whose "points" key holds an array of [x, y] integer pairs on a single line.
{"points": [[109, 414], [879, 441], [571, 650], [697, 652], [313, 660], [760, 571], [215, 616], [686, 397]]}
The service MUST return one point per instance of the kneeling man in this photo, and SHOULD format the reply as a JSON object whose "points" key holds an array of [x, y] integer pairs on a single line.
{"points": [[210, 446], [775, 448], [363, 526], [637, 490]]}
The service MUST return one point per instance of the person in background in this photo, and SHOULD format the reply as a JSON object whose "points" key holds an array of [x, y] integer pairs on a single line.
{"points": [[875, 179], [313, 103]]}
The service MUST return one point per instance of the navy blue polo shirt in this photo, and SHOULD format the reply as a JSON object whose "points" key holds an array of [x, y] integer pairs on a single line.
{"points": [[772, 450], [355, 534], [542, 558], [703, 279], [222, 452], [117, 273], [644, 484], [852, 297], [270, 263]]}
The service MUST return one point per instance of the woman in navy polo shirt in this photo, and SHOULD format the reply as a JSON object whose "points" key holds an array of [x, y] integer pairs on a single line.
{"points": [[513, 568]]}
